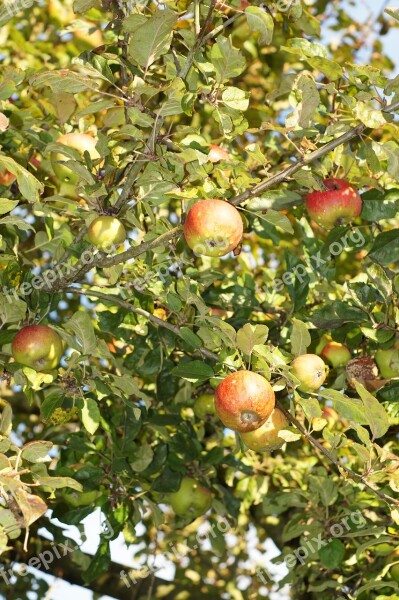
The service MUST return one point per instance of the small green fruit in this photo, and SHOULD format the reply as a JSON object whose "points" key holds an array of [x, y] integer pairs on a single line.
{"points": [[204, 405], [388, 362], [106, 233], [191, 500]]}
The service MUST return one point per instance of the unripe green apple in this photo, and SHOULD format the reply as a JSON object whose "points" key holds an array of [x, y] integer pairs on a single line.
{"points": [[213, 228], [79, 141], [388, 362], [311, 371], [394, 570], [191, 500], [338, 355], [340, 203], [265, 438], [39, 347], [204, 405], [383, 549], [244, 401], [106, 232]]}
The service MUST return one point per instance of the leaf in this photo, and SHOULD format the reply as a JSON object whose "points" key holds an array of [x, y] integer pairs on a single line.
{"points": [[17, 222], [7, 205], [376, 414], [227, 60], [392, 12], [277, 219], [190, 338], [90, 415], [250, 336], [141, 458], [63, 80], [349, 408], [332, 555], [260, 20], [193, 371], [36, 452], [56, 483], [6, 420], [385, 249], [9, 523], [32, 507], [152, 39], [305, 102], [236, 98], [81, 325], [370, 117], [29, 186], [82, 6], [300, 337]]}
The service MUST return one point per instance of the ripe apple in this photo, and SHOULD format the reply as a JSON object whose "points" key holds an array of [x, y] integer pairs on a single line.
{"points": [[339, 204], [388, 362], [311, 371], [338, 355], [394, 570], [265, 438], [79, 141], [244, 401], [38, 346], [204, 405], [217, 153], [213, 228], [106, 232], [7, 178], [191, 500]]}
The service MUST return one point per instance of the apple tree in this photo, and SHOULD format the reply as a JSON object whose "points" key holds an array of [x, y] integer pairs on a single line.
{"points": [[199, 197]]}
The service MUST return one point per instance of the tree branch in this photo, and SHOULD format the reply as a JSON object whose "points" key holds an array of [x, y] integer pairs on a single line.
{"points": [[307, 159]]}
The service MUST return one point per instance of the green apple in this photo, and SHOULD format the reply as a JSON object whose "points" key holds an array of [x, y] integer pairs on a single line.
{"points": [[394, 570], [213, 228], [265, 438], [244, 400], [38, 346], [106, 233], [383, 549], [204, 405], [311, 371], [191, 500], [82, 142], [388, 362], [338, 355]]}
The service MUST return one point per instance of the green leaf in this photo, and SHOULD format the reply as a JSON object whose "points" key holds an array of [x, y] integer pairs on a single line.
{"points": [[190, 338], [29, 186], [7, 205], [227, 60], [236, 98], [376, 414], [261, 21], [332, 555], [90, 415], [369, 116], [63, 80], [141, 458], [82, 6], [152, 39], [385, 249], [250, 336], [392, 12], [348, 408], [56, 483], [37, 452], [81, 325], [300, 337], [6, 420], [193, 371]]}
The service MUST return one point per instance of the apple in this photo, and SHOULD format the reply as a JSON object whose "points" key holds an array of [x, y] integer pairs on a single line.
{"points": [[191, 500], [38, 346], [7, 178], [388, 362], [383, 549], [340, 203], [106, 232], [78, 141], [244, 401], [217, 153], [364, 370], [311, 371], [213, 228], [265, 438], [204, 405], [338, 355], [394, 570]]}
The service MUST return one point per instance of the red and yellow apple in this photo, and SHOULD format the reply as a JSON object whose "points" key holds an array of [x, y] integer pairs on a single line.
{"points": [[191, 500], [337, 354], [244, 401], [7, 178], [38, 346], [340, 203], [217, 153], [213, 227], [388, 362], [265, 438], [82, 142], [106, 233], [310, 370]]}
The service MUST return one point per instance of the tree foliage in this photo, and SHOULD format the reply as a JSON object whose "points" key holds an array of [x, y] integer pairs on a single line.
{"points": [[152, 326]]}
